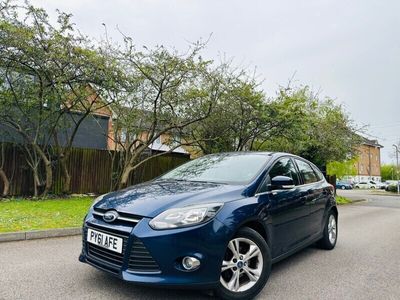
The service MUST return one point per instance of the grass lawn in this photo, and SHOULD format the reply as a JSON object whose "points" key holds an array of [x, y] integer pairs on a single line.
{"points": [[342, 200], [23, 215]]}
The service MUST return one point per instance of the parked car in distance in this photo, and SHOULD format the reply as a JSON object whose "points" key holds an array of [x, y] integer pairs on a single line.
{"points": [[343, 185], [390, 182], [380, 185], [217, 222], [391, 186], [366, 185]]}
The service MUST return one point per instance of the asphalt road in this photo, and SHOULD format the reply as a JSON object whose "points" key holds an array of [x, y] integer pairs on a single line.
{"points": [[364, 265]]}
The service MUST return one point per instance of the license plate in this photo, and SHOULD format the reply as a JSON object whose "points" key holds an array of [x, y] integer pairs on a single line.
{"points": [[105, 240]]}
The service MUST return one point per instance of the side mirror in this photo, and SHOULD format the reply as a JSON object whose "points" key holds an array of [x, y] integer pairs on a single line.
{"points": [[282, 183]]}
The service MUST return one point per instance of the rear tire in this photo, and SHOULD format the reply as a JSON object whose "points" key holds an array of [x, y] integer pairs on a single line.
{"points": [[252, 273], [329, 239]]}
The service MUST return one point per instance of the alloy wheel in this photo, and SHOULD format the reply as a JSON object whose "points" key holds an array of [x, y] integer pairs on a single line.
{"points": [[332, 229], [242, 265]]}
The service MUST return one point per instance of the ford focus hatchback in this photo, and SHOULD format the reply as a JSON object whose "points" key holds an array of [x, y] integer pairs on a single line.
{"points": [[217, 222]]}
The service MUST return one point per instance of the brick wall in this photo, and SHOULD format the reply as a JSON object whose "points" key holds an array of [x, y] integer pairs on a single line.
{"points": [[369, 162]]}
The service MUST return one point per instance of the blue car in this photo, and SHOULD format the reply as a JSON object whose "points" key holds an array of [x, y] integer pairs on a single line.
{"points": [[217, 222], [343, 186]]}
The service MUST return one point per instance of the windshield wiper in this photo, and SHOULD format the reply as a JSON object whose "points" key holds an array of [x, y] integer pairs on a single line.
{"points": [[205, 181], [187, 180]]}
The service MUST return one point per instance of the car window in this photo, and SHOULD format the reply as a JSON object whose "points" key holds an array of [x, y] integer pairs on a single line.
{"points": [[306, 171], [283, 167], [321, 176], [220, 168]]}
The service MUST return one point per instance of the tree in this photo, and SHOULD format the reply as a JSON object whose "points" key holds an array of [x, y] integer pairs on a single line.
{"points": [[50, 73], [341, 169], [241, 118], [167, 94], [53, 78], [236, 118], [316, 129], [3, 175], [388, 172]]}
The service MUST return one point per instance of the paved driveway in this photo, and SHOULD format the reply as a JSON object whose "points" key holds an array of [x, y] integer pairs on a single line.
{"points": [[377, 198], [364, 265]]}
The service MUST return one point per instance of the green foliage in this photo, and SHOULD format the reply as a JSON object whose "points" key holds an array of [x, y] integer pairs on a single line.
{"points": [[49, 70], [388, 172], [342, 200], [24, 214], [314, 128], [343, 168], [167, 94], [238, 117]]}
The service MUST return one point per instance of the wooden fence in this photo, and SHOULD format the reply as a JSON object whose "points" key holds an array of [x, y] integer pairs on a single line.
{"points": [[90, 171]]}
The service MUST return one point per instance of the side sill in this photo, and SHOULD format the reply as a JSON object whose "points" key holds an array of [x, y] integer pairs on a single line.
{"points": [[297, 249]]}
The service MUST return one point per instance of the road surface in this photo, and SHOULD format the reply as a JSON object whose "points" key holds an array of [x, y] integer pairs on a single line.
{"points": [[364, 265]]}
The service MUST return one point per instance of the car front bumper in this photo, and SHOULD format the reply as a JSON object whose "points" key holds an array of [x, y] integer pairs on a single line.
{"points": [[154, 256]]}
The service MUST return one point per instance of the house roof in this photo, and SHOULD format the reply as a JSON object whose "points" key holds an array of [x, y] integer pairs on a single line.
{"points": [[373, 143]]}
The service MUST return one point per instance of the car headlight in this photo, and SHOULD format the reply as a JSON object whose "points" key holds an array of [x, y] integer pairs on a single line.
{"points": [[185, 216]]}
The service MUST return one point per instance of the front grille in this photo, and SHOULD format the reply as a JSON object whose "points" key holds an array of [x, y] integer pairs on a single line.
{"points": [[103, 255], [140, 259], [122, 219]]}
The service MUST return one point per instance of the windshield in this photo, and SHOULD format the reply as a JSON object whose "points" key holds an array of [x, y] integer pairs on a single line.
{"points": [[221, 168]]}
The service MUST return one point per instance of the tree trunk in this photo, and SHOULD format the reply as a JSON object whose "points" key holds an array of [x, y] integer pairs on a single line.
{"points": [[49, 178], [36, 183], [112, 172], [66, 176], [125, 177], [49, 171], [6, 183], [129, 166]]}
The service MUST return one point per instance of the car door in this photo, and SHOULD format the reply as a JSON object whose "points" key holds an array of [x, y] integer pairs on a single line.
{"points": [[313, 190], [323, 192], [287, 208]]}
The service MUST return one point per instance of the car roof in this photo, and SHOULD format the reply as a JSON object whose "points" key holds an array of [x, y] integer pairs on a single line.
{"points": [[244, 153], [266, 153]]}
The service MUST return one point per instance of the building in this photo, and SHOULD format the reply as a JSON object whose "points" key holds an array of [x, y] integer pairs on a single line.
{"points": [[92, 133], [96, 131], [368, 164]]}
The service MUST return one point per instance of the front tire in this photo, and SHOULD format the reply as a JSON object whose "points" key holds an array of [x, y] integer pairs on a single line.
{"points": [[246, 266], [329, 239]]}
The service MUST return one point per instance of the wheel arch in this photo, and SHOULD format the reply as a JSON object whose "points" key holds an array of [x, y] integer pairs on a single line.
{"points": [[259, 227], [335, 210]]}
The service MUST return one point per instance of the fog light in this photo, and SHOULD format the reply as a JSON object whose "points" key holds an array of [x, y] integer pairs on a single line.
{"points": [[190, 263]]}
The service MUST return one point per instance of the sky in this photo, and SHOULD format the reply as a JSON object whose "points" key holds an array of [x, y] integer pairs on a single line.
{"points": [[347, 50]]}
